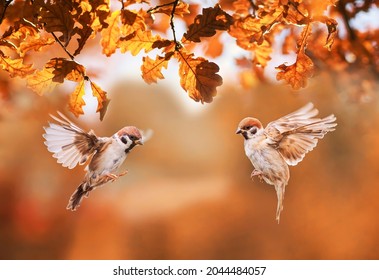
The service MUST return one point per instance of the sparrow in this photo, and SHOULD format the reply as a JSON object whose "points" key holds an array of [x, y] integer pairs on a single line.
{"points": [[71, 146], [281, 143]]}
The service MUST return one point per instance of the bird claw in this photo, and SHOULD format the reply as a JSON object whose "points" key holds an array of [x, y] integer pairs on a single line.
{"points": [[256, 173], [113, 177]]}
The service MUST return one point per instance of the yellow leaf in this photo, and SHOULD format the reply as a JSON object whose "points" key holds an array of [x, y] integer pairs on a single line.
{"points": [[76, 102], [198, 77], [262, 53], [42, 81], [297, 74], [16, 67], [111, 34], [152, 69], [142, 40], [102, 99], [34, 44], [181, 9], [132, 22]]}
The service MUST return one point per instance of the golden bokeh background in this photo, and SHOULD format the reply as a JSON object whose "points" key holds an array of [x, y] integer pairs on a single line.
{"points": [[188, 193]]}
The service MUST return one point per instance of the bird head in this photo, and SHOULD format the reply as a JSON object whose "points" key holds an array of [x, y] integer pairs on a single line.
{"points": [[248, 127]]}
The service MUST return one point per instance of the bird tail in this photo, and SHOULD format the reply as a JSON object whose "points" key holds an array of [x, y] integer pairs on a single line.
{"points": [[80, 192], [280, 189]]}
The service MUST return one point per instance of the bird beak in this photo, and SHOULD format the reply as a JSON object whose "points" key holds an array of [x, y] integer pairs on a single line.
{"points": [[138, 142], [239, 131]]}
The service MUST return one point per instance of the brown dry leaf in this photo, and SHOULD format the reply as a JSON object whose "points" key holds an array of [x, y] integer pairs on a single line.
{"points": [[206, 24], [198, 77], [102, 99], [297, 74], [332, 32], [111, 34], [34, 44], [181, 9], [152, 68], [42, 81], [76, 102], [55, 17], [141, 40], [15, 67], [66, 69]]}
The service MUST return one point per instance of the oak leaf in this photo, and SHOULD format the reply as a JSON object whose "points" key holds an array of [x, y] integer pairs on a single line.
{"points": [[206, 24], [198, 77], [297, 74], [55, 16], [132, 22], [152, 68], [76, 102], [140, 40], [111, 34], [41, 82], [66, 69], [181, 9], [102, 99], [34, 44], [15, 67]]}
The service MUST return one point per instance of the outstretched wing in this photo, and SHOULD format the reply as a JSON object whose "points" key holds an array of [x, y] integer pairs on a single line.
{"points": [[297, 133], [70, 144]]}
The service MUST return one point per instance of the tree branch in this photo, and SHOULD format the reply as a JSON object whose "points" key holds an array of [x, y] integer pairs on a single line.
{"points": [[6, 4]]}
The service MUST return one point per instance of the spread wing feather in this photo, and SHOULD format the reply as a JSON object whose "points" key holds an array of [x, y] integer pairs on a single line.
{"points": [[297, 133], [70, 144]]}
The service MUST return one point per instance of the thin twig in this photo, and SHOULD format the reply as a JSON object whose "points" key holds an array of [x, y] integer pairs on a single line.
{"points": [[6, 5], [152, 10], [177, 44], [63, 47]]}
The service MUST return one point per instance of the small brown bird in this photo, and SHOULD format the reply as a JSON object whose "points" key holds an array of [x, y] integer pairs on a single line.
{"points": [[71, 145], [283, 142]]}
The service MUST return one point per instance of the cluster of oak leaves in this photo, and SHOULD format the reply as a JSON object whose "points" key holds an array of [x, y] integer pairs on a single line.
{"points": [[134, 26]]}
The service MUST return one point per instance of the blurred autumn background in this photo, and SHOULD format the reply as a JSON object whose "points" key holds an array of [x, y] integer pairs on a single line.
{"points": [[188, 193]]}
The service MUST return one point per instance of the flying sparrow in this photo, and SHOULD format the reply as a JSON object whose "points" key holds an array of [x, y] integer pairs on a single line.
{"points": [[71, 146], [283, 142]]}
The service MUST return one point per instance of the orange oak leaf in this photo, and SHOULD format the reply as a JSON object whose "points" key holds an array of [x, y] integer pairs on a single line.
{"points": [[102, 99], [41, 82], [198, 77], [206, 24], [111, 34], [152, 68], [132, 22], [66, 69], [76, 102], [15, 67], [262, 53], [332, 32], [181, 9], [34, 44], [140, 40], [297, 74]]}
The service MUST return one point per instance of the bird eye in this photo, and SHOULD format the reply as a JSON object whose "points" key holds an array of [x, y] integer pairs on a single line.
{"points": [[123, 140], [133, 138], [253, 130], [247, 127]]}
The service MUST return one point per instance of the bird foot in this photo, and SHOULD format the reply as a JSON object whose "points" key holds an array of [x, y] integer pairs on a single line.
{"points": [[112, 177], [256, 173]]}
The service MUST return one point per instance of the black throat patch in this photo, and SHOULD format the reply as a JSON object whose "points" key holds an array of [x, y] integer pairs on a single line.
{"points": [[244, 134], [130, 148]]}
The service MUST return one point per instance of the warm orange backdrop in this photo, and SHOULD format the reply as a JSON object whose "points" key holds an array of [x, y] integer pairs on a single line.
{"points": [[188, 194]]}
